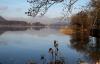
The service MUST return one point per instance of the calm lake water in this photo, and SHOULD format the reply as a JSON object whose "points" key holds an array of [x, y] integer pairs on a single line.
{"points": [[20, 47]]}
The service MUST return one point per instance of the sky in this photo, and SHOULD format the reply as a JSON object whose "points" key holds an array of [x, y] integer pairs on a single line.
{"points": [[17, 8]]}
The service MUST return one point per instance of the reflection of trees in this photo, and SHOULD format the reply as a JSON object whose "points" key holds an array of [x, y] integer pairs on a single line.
{"points": [[38, 27], [95, 51], [82, 44], [4, 29], [79, 43]]}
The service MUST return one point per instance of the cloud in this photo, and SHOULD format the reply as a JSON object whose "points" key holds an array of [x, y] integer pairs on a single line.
{"points": [[3, 8]]}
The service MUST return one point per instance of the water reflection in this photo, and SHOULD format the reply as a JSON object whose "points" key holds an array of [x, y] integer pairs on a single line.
{"points": [[35, 46], [89, 45], [24, 45], [4, 29]]}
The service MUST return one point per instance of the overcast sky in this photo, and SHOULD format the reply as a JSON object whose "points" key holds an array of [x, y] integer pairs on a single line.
{"points": [[17, 8]]}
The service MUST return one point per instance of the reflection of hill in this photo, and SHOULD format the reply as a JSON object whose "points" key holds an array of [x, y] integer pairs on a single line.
{"points": [[43, 32], [1, 32], [38, 28], [12, 28], [4, 29], [31, 30]]}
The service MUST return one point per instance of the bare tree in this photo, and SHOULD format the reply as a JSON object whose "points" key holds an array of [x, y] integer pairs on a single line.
{"points": [[40, 7]]}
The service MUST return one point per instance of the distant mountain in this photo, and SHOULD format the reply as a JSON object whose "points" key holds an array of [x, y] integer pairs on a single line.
{"points": [[4, 22], [58, 25], [38, 24], [14, 22], [2, 19]]}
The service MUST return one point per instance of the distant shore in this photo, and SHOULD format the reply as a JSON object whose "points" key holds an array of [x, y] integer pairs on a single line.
{"points": [[18, 26]]}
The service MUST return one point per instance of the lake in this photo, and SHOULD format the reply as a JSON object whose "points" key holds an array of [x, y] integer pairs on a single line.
{"points": [[29, 45]]}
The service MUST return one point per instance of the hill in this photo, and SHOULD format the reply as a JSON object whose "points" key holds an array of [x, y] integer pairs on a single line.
{"points": [[3, 22], [2, 19]]}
